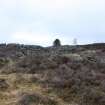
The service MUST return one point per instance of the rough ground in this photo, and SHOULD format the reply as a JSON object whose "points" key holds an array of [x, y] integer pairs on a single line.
{"points": [[66, 75]]}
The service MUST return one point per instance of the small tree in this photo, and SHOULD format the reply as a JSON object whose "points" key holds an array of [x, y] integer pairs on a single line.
{"points": [[57, 43], [75, 41]]}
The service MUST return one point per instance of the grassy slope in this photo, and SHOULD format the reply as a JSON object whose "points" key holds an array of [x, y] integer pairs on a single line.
{"points": [[11, 95]]}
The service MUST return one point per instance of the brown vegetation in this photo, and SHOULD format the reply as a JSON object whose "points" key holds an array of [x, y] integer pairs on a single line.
{"points": [[65, 75]]}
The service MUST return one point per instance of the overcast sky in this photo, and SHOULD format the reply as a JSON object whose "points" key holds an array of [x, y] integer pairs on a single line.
{"points": [[41, 21]]}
